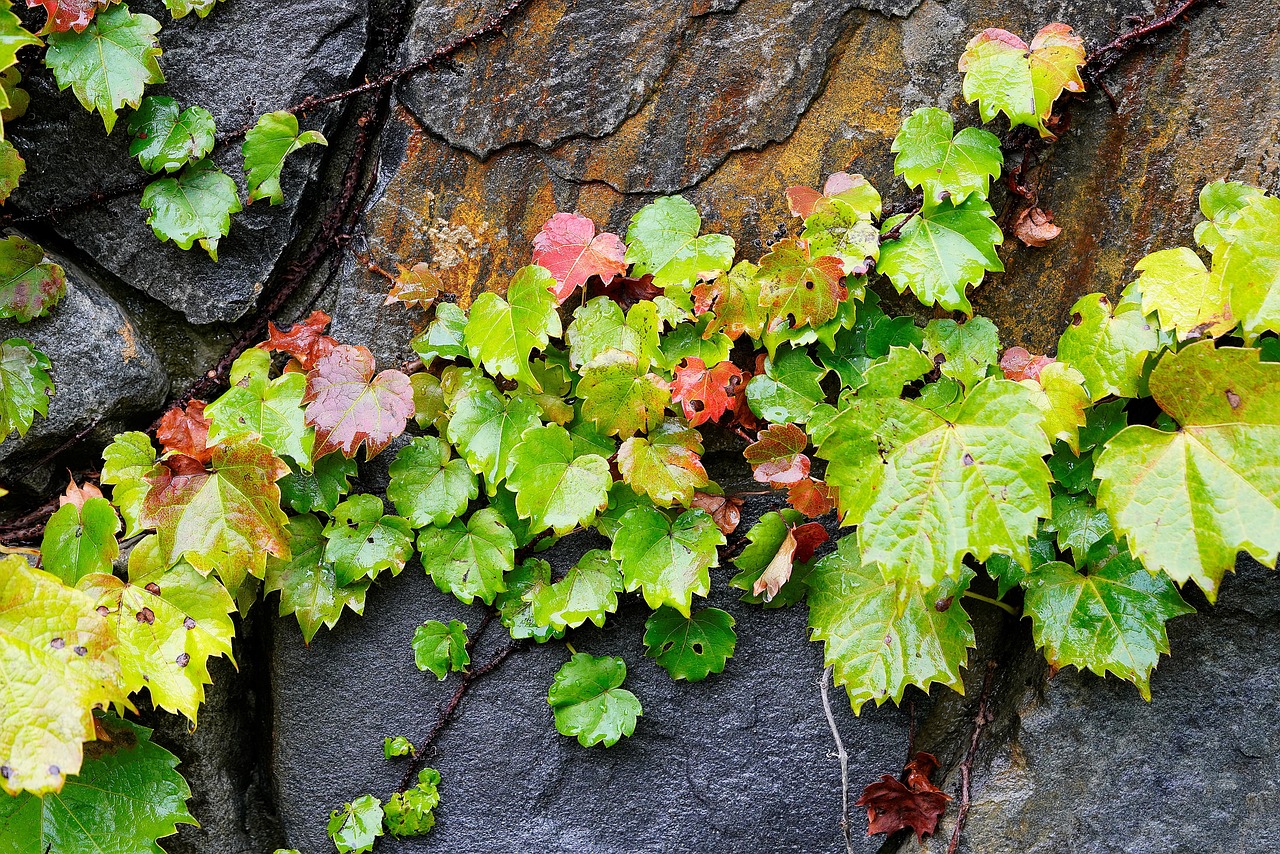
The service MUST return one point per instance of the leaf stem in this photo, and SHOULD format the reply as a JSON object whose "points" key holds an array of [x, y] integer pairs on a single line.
{"points": [[1004, 606]]}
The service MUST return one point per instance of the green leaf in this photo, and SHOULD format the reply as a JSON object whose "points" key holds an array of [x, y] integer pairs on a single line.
{"points": [[362, 542], [969, 349], [733, 302], [169, 626], [620, 397], [265, 148], [588, 701], [1079, 524], [126, 797], [942, 250], [663, 240], [196, 205], [79, 540], [29, 285], [427, 487], [445, 337], [308, 585], [12, 167], [356, 826], [841, 226], [429, 407], [1215, 476], [555, 487], [668, 561], [486, 425], [1177, 287], [321, 489], [665, 465], [764, 540], [441, 648], [694, 340], [409, 813], [926, 490], [228, 519], [891, 373], [599, 326], [25, 387], [182, 8], [1109, 349], [1009, 574], [1061, 395], [796, 284], [127, 463], [469, 560], [501, 334], [393, 747], [1108, 620], [690, 647], [259, 407], [55, 646], [12, 37], [108, 64], [788, 389], [515, 604], [167, 137], [588, 591], [944, 166], [1005, 75], [1247, 263], [1220, 201], [881, 635]]}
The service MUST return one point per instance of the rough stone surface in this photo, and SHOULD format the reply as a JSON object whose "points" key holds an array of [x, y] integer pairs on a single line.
{"points": [[245, 59], [104, 371]]}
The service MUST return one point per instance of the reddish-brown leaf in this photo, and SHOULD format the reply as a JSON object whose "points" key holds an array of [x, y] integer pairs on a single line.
{"points": [[797, 547], [1018, 364], [78, 495], [725, 510], [569, 247], [624, 290], [69, 14], [1034, 227], [808, 537], [415, 285], [305, 340], [349, 406], [811, 497], [185, 430], [917, 804], [743, 418], [777, 457], [705, 394]]}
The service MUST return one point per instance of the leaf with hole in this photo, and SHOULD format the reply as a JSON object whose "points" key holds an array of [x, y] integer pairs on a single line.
{"points": [[693, 647]]}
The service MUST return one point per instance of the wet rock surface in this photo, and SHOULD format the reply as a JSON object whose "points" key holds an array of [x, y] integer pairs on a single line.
{"points": [[598, 107]]}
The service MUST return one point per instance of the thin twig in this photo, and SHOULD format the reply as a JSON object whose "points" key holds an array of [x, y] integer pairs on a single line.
{"points": [[966, 767], [823, 681], [1106, 57]]}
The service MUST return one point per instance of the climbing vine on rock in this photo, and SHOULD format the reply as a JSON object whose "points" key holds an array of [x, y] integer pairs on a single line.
{"points": [[575, 398]]}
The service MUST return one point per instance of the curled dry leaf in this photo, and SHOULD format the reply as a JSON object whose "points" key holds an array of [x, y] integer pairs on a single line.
{"points": [[777, 457], [705, 394], [1018, 364], [725, 510], [78, 495], [1034, 227], [185, 430], [415, 285], [304, 341], [797, 547], [569, 247], [917, 804]]}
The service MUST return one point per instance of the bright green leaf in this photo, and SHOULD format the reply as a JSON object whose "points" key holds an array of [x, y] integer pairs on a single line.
{"points": [[355, 827], [942, 250], [668, 561], [620, 397], [167, 137], [945, 166], [362, 542], [196, 205], [589, 702], [690, 647], [79, 540], [308, 585], [25, 386], [427, 487], [662, 239], [501, 333], [265, 148], [441, 648], [1108, 349], [469, 560], [588, 591], [556, 488]]}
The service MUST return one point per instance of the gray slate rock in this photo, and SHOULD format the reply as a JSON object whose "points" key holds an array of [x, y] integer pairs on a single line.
{"points": [[104, 371], [243, 60]]}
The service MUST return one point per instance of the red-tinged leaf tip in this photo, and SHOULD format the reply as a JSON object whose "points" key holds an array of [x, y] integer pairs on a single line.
{"points": [[570, 249], [839, 182], [777, 457], [705, 394], [802, 200], [1018, 364], [917, 804], [1003, 38], [305, 340], [185, 430], [349, 406], [69, 14]]}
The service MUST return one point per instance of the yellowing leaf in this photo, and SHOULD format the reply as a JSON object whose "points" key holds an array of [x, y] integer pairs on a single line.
{"points": [[1004, 75]]}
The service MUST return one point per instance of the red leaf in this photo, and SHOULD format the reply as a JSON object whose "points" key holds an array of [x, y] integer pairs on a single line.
{"points": [[725, 510], [1018, 364], [624, 290], [569, 247], [808, 537], [186, 431], [811, 497], [705, 394], [893, 806], [348, 405], [743, 417], [776, 456], [305, 340], [69, 14]]}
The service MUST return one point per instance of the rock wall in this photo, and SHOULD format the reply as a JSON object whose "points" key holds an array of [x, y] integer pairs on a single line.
{"points": [[598, 107]]}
